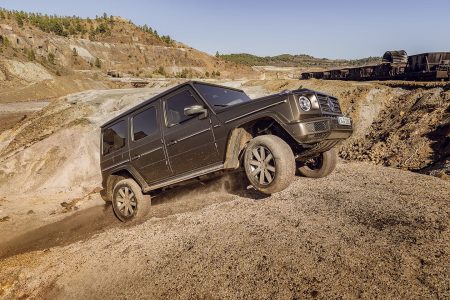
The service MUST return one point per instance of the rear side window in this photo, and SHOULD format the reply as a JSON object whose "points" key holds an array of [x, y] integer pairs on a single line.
{"points": [[144, 124], [175, 107], [114, 137]]}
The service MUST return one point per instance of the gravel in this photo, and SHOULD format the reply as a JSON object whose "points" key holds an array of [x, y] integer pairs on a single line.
{"points": [[363, 232]]}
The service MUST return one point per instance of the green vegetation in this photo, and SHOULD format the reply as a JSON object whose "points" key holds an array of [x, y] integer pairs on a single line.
{"points": [[164, 38], [302, 60], [75, 26]]}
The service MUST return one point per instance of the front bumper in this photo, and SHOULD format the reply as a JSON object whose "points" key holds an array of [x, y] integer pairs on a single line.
{"points": [[319, 129]]}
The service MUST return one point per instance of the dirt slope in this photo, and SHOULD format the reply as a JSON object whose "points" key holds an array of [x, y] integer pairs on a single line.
{"points": [[365, 231]]}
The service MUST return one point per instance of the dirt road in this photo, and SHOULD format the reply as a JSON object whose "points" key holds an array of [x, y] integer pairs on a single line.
{"points": [[365, 231]]}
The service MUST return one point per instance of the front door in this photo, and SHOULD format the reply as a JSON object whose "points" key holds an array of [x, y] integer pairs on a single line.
{"points": [[146, 145], [189, 139]]}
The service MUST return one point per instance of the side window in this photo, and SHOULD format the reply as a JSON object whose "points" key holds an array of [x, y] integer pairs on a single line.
{"points": [[175, 107], [114, 137], [144, 124]]}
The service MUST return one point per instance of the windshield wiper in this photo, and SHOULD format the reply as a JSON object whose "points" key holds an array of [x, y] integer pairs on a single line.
{"points": [[221, 105]]}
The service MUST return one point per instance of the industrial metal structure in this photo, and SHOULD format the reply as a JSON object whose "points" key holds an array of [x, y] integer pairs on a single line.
{"points": [[395, 65]]}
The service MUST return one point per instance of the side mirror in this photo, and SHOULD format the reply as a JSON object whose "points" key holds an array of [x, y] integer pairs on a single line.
{"points": [[196, 110]]}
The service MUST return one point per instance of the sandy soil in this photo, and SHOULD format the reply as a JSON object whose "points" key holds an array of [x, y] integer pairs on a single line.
{"points": [[363, 232], [366, 231]]}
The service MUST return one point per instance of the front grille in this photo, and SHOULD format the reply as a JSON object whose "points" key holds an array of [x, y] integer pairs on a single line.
{"points": [[317, 126], [323, 101]]}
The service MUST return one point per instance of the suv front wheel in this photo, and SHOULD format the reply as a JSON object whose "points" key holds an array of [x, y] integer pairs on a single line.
{"points": [[128, 201], [269, 164], [319, 166]]}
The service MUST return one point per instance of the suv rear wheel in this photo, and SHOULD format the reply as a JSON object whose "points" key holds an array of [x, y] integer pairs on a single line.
{"points": [[269, 164], [319, 166], [128, 201]]}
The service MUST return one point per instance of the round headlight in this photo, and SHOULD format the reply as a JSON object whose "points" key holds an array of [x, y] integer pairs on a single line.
{"points": [[304, 103]]}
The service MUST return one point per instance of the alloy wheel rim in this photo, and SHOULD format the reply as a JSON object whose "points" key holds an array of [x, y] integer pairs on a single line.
{"points": [[262, 165], [126, 202]]}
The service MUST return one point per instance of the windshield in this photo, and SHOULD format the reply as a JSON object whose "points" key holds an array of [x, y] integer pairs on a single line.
{"points": [[220, 97]]}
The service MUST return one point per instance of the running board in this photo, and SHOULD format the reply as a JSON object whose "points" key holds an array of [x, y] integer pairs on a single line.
{"points": [[183, 177]]}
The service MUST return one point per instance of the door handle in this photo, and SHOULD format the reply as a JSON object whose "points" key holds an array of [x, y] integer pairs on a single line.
{"points": [[136, 157], [172, 143]]}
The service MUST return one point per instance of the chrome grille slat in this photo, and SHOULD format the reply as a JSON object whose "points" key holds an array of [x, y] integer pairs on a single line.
{"points": [[323, 102]]}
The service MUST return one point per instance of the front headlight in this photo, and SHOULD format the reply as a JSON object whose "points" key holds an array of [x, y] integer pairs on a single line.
{"points": [[304, 103]]}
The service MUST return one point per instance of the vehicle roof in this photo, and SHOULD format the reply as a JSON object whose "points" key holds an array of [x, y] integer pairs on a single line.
{"points": [[160, 95]]}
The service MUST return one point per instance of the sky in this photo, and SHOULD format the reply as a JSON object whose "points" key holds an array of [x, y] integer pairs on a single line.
{"points": [[322, 28]]}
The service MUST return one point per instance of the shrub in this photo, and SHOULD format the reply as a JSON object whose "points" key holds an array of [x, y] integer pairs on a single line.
{"points": [[185, 73], [161, 71], [31, 55], [51, 58], [98, 63], [6, 42]]}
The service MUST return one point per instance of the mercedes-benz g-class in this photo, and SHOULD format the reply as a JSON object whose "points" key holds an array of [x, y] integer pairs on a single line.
{"points": [[198, 128]]}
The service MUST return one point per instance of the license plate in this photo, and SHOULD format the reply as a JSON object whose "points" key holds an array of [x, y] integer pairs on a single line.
{"points": [[344, 121]]}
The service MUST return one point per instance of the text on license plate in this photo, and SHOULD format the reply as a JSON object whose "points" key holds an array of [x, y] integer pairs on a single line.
{"points": [[344, 121]]}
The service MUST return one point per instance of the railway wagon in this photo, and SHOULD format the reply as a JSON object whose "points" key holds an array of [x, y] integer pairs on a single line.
{"points": [[395, 65], [428, 66]]}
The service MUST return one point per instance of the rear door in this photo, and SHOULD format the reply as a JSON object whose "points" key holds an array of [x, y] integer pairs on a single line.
{"points": [[115, 144], [189, 139], [146, 145]]}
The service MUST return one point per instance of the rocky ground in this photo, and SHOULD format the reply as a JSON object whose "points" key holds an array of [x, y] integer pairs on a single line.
{"points": [[366, 231], [363, 232]]}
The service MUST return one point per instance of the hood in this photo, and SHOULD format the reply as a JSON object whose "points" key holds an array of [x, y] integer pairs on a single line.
{"points": [[254, 106]]}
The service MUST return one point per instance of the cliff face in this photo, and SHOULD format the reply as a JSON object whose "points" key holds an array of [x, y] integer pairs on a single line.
{"points": [[35, 48]]}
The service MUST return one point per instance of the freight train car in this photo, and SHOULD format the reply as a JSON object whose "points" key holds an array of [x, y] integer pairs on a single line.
{"points": [[428, 66], [395, 65]]}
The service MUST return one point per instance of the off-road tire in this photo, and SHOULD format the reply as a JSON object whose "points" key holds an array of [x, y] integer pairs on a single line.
{"points": [[326, 164], [138, 202], [281, 168]]}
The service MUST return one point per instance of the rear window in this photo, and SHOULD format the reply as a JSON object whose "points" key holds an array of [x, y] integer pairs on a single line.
{"points": [[144, 124], [114, 137]]}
